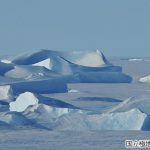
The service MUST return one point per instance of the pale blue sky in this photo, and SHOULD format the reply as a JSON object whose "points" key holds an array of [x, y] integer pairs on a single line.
{"points": [[117, 27]]}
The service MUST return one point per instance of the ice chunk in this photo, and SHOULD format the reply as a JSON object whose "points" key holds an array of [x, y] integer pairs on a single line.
{"points": [[103, 77], [14, 119], [27, 99], [145, 79], [5, 92], [23, 101], [76, 119], [129, 120], [41, 86]]}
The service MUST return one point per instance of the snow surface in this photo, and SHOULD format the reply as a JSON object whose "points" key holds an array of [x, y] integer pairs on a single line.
{"points": [[32, 139]]}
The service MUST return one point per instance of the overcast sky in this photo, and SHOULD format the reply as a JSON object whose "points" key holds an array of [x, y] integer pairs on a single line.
{"points": [[117, 27]]}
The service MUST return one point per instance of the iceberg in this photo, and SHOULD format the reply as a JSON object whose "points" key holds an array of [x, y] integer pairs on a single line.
{"points": [[55, 114], [76, 119], [81, 66], [24, 100]]}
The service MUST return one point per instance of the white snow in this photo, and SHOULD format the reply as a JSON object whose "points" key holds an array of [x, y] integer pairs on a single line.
{"points": [[91, 59], [23, 101], [135, 59], [6, 61], [5, 92], [145, 79], [73, 91], [45, 63]]}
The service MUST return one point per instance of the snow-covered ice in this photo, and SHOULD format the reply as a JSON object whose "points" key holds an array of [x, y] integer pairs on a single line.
{"points": [[73, 92], [145, 79], [23, 101], [45, 63], [6, 92], [81, 66]]}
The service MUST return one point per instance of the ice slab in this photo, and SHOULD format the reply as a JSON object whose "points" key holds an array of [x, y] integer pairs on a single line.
{"points": [[23, 101]]}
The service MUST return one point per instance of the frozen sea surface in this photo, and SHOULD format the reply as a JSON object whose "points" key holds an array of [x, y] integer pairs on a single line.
{"points": [[67, 140], [94, 97]]}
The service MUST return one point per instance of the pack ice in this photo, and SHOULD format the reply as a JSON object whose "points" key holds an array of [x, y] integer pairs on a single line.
{"points": [[29, 83]]}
